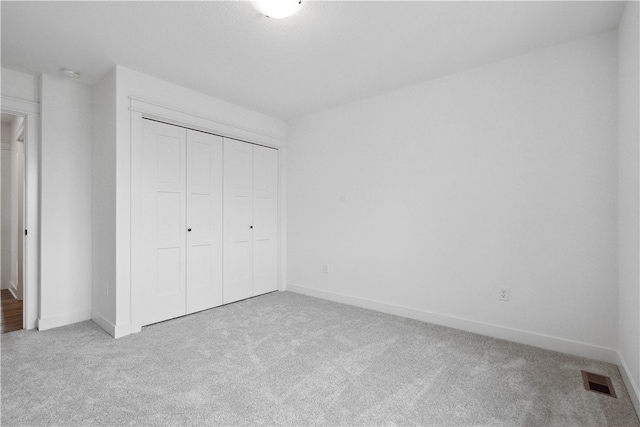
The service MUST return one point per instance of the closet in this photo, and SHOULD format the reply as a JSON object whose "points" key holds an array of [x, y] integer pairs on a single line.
{"points": [[208, 226]]}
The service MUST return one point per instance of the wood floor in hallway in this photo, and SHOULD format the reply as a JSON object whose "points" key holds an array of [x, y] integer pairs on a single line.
{"points": [[10, 312]]}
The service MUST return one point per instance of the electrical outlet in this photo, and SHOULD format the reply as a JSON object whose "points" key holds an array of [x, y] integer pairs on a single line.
{"points": [[325, 268], [106, 288], [504, 294]]}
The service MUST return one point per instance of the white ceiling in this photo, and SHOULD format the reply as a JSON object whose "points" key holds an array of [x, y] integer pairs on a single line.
{"points": [[330, 53]]}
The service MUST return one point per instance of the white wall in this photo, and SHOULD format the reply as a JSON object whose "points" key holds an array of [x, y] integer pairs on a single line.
{"points": [[66, 202], [425, 201], [629, 199], [134, 84]]}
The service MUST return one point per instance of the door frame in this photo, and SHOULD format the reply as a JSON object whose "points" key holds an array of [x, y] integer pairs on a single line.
{"points": [[31, 242], [143, 109]]}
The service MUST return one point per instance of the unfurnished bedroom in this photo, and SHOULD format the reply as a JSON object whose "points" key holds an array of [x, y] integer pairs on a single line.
{"points": [[285, 212]]}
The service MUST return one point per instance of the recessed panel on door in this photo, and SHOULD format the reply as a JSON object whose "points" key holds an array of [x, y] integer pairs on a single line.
{"points": [[204, 152], [204, 210], [168, 272], [170, 158], [169, 215]]}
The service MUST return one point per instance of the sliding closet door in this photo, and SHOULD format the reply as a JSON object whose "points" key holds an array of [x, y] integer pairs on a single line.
{"points": [[204, 221], [189, 183], [238, 220], [265, 220], [163, 232]]}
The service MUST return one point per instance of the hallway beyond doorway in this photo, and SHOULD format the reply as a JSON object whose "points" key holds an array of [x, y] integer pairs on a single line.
{"points": [[10, 312]]}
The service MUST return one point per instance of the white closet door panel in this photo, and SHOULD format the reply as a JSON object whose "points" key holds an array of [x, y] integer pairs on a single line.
{"points": [[238, 237], [169, 271], [265, 220], [204, 207], [162, 251]]}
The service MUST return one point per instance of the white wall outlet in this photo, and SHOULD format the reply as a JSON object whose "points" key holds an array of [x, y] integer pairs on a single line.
{"points": [[106, 288], [504, 294], [325, 268]]}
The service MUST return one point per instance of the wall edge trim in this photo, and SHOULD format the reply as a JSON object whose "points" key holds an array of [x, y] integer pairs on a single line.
{"points": [[495, 331], [122, 330], [20, 106]]}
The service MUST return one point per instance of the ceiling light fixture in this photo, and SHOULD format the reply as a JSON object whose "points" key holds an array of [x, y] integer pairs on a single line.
{"points": [[277, 8], [70, 73]]}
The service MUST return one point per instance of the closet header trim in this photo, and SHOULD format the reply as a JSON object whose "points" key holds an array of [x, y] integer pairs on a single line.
{"points": [[173, 116]]}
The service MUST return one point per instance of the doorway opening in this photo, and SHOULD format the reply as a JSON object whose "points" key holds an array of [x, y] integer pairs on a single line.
{"points": [[12, 223]]}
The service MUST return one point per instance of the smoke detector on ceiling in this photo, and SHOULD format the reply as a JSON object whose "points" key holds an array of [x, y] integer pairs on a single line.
{"points": [[73, 74], [277, 8]]}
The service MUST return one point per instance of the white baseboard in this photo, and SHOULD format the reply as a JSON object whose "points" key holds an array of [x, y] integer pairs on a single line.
{"points": [[109, 327], [122, 330], [115, 331], [523, 337], [630, 383], [63, 319]]}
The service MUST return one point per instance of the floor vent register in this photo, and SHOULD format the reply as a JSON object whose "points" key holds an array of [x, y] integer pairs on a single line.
{"points": [[598, 383]]}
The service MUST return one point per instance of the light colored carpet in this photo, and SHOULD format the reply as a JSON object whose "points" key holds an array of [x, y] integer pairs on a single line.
{"points": [[288, 359]]}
